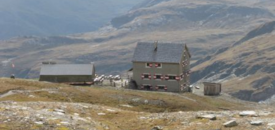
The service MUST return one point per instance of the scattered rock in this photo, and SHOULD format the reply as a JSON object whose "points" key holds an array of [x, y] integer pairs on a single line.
{"points": [[126, 105], [86, 107], [59, 110], [59, 113], [65, 123], [271, 124], [136, 99], [256, 123], [231, 123], [24, 108], [157, 128], [39, 123], [31, 96], [269, 128], [248, 113], [264, 113], [142, 118], [110, 110], [146, 101], [210, 117], [101, 114]]}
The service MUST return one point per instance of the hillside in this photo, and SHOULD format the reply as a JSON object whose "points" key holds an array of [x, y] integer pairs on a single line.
{"points": [[204, 25], [62, 17], [20, 91], [42, 105], [246, 68]]}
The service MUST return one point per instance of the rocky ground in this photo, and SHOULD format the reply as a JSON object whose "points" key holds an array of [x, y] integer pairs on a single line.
{"points": [[80, 116], [27, 105]]}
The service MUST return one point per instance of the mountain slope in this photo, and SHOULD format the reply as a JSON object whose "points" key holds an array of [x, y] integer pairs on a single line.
{"points": [[51, 17], [204, 25], [247, 69]]}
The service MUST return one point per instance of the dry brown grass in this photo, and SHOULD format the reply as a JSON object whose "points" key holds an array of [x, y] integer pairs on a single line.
{"points": [[157, 102]]}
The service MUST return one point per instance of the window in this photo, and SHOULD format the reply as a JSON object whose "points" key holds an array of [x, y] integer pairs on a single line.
{"points": [[172, 77], [158, 77], [158, 65], [149, 65], [146, 76], [184, 63], [146, 87], [161, 88]]}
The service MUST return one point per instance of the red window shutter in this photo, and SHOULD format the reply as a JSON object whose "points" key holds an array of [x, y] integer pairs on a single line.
{"points": [[155, 77], [166, 77], [157, 88], [151, 65], [151, 87], [178, 78], [182, 87], [142, 87], [162, 77], [150, 76], [142, 76], [165, 88]]}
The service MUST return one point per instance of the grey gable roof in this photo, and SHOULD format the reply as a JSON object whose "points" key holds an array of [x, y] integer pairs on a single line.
{"points": [[67, 69], [165, 53]]}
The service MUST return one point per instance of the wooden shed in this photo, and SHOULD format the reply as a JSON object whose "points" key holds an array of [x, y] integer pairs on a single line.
{"points": [[212, 89], [75, 74]]}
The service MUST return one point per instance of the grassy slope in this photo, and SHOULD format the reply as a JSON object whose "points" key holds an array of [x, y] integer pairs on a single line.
{"points": [[257, 51], [157, 102]]}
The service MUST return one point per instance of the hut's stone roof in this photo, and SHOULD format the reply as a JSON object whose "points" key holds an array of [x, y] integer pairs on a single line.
{"points": [[165, 52]]}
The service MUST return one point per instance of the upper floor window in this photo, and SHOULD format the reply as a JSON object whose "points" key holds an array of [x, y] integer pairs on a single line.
{"points": [[149, 65], [158, 65]]}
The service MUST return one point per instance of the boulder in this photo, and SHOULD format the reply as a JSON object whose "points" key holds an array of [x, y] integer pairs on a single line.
{"points": [[248, 113], [157, 128], [59, 110], [39, 123], [256, 123], [231, 123], [101, 114], [210, 117], [271, 124]]}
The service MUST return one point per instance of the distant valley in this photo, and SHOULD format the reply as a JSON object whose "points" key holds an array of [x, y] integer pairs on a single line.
{"points": [[62, 17]]}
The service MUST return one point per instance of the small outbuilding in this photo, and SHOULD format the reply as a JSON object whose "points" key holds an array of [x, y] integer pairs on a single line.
{"points": [[212, 89], [67, 73]]}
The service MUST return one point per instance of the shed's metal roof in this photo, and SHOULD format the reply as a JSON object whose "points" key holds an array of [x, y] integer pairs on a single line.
{"points": [[165, 53], [67, 69]]}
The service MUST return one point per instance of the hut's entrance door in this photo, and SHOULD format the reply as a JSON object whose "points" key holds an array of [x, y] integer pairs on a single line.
{"points": [[147, 87], [55, 79]]}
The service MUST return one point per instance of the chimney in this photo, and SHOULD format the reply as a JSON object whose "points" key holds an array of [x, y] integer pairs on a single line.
{"points": [[156, 46]]}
